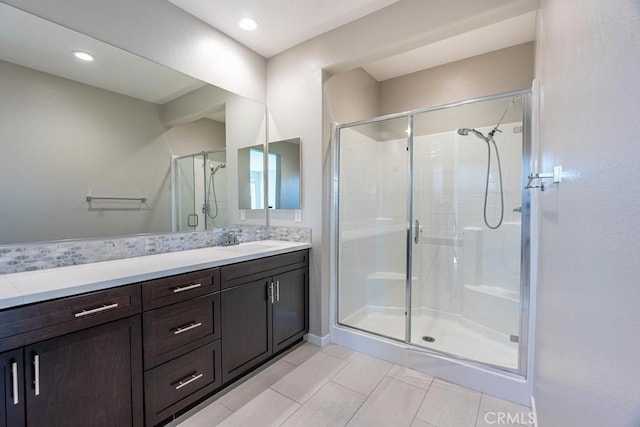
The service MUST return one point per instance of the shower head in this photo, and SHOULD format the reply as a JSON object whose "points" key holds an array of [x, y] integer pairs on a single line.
{"points": [[217, 168], [465, 132]]}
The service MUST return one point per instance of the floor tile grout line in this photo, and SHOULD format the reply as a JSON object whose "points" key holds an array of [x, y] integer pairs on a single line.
{"points": [[359, 407], [349, 388], [223, 405], [316, 392], [422, 403], [357, 391], [407, 382]]}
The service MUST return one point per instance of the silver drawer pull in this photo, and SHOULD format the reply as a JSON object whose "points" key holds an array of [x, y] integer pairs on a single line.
{"points": [[188, 381], [14, 381], [190, 326], [186, 288], [36, 374], [96, 310], [277, 290]]}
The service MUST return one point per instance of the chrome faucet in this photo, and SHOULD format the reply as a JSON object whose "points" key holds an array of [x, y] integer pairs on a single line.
{"points": [[230, 238]]}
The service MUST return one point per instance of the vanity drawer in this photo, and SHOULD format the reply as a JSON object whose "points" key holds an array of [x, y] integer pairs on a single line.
{"points": [[169, 290], [176, 384], [249, 271], [179, 328], [43, 320]]}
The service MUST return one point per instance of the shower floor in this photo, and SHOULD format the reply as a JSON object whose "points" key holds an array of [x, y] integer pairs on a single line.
{"points": [[452, 333]]}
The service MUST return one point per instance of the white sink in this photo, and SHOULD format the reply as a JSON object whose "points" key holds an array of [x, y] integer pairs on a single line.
{"points": [[250, 247]]}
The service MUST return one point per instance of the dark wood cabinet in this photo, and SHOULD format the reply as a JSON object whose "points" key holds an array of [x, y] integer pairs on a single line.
{"points": [[174, 330], [174, 385], [92, 377], [246, 327], [138, 354], [182, 330], [264, 310], [74, 361], [12, 408], [290, 319]]}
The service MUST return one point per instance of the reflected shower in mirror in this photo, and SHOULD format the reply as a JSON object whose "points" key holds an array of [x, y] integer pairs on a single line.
{"points": [[284, 174], [105, 128], [251, 177]]}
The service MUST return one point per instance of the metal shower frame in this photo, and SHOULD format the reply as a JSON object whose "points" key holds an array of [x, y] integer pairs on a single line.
{"points": [[525, 252]]}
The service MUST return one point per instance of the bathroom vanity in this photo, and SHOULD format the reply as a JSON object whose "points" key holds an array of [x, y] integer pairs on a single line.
{"points": [[143, 346]]}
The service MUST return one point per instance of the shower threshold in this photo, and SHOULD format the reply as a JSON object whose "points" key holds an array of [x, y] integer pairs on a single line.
{"points": [[452, 334]]}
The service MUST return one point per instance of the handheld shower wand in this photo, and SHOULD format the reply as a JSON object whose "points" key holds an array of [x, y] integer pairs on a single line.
{"points": [[489, 139]]}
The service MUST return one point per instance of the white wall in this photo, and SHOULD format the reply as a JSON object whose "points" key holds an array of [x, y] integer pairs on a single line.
{"points": [[164, 33], [587, 347]]}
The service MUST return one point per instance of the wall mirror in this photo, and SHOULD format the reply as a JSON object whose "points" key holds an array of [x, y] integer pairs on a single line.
{"points": [[251, 177], [90, 148], [284, 174]]}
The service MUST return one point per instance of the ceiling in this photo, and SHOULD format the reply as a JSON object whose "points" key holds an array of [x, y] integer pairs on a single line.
{"points": [[500, 35], [282, 23], [286, 23], [39, 44], [36, 43]]}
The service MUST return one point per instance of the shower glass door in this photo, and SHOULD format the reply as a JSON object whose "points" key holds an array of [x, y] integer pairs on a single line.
{"points": [[466, 250], [433, 224], [372, 242]]}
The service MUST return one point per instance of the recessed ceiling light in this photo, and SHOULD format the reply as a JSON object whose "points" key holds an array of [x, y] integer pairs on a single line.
{"points": [[247, 24], [85, 56]]}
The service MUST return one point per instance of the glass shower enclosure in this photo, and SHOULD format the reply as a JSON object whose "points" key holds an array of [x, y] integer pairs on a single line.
{"points": [[199, 191], [432, 228]]}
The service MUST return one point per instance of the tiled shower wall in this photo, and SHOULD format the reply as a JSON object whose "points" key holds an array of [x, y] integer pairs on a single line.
{"points": [[39, 256]]}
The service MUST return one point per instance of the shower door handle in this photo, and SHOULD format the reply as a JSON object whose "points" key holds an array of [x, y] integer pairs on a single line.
{"points": [[192, 220], [416, 233]]}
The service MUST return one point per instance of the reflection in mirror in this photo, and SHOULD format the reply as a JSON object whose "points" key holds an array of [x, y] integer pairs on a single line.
{"points": [[108, 128], [251, 177], [284, 174], [200, 191]]}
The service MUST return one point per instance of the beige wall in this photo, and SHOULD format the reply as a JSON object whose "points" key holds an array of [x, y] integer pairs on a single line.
{"points": [[495, 72], [355, 95], [587, 345], [352, 95], [62, 140], [194, 137]]}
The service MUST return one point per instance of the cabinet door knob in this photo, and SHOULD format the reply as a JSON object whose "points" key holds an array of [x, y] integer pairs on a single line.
{"points": [[278, 290], [271, 296], [14, 382]]}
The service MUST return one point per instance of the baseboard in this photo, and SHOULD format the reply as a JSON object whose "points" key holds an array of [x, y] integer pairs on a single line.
{"points": [[319, 341]]}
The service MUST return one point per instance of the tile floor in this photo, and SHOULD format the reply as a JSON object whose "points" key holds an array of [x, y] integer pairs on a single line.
{"points": [[335, 386]]}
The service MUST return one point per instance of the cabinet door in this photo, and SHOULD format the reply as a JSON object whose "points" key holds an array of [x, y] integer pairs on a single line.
{"points": [[290, 318], [88, 378], [12, 408], [246, 327]]}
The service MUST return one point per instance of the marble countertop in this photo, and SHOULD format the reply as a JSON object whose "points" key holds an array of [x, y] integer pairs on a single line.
{"points": [[34, 286]]}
